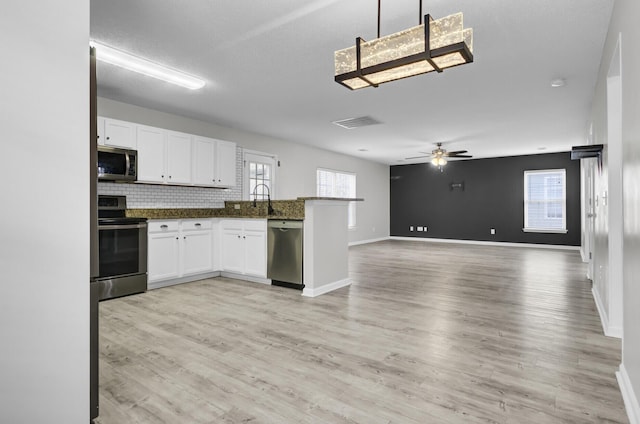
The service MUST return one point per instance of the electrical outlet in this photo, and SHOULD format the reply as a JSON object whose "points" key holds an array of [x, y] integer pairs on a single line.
{"points": [[493, 231], [420, 228], [411, 228], [236, 206]]}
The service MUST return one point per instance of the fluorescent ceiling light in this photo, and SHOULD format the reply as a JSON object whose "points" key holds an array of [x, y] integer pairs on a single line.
{"points": [[134, 63]]}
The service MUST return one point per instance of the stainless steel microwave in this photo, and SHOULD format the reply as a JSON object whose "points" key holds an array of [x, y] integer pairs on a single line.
{"points": [[116, 164]]}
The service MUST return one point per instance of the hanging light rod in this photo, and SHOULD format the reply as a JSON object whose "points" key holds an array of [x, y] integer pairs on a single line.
{"points": [[143, 66], [431, 46]]}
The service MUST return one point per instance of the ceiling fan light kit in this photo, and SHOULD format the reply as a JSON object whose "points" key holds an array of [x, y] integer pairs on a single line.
{"points": [[431, 46]]}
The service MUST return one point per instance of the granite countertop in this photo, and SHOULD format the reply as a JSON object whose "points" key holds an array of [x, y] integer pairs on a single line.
{"points": [[344, 199], [284, 209]]}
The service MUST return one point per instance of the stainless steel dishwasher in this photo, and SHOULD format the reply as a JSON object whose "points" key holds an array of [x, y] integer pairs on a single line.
{"points": [[284, 259]]}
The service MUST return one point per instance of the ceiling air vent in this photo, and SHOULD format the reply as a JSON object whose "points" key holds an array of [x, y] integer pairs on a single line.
{"points": [[351, 123]]}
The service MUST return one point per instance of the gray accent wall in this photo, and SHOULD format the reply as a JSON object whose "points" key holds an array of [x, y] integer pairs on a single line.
{"points": [[487, 193]]}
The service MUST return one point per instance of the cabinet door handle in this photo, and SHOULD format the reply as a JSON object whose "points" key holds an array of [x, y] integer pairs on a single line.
{"points": [[177, 238], [108, 138], [163, 226], [238, 236], [244, 237], [184, 238], [197, 224]]}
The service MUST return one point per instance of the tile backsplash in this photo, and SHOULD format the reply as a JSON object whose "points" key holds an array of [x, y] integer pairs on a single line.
{"points": [[167, 196]]}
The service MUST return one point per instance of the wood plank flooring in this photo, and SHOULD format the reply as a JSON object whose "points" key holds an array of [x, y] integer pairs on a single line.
{"points": [[427, 333]]}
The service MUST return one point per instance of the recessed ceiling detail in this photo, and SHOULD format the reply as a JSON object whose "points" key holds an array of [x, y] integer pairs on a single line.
{"points": [[351, 123]]}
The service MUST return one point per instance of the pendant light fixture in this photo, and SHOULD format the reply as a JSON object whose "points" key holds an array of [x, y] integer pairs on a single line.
{"points": [[431, 46]]}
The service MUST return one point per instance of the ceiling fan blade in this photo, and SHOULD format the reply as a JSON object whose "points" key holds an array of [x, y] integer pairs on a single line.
{"points": [[461, 156], [457, 152], [418, 157]]}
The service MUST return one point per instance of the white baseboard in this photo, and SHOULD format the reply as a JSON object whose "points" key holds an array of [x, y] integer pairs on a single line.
{"points": [[608, 329], [359, 242], [631, 402], [488, 243], [309, 292], [245, 277], [181, 280]]}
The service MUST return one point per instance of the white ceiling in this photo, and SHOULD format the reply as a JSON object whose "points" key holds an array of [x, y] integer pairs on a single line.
{"points": [[269, 69]]}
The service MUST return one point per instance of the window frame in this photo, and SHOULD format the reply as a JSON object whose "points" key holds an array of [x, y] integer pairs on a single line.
{"points": [[528, 229], [352, 212], [261, 157]]}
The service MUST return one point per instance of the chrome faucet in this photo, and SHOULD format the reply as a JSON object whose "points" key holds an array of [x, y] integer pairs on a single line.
{"points": [[270, 210]]}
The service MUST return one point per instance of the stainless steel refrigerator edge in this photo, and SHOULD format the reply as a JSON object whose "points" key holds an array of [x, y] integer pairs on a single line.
{"points": [[93, 210]]}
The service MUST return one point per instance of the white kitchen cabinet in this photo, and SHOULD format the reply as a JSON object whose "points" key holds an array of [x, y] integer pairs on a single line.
{"points": [[100, 130], [204, 151], [255, 253], [163, 250], [179, 248], [197, 245], [119, 133], [163, 156], [244, 246], [151, 154], [214, 162], [178, 158], [232, 250], [226, 165]]}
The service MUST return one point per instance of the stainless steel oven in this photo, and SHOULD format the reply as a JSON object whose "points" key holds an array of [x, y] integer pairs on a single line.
{"points": [[122, 249]]}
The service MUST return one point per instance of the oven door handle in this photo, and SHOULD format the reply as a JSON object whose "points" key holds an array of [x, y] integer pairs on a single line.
{"points": [[122, 227]]}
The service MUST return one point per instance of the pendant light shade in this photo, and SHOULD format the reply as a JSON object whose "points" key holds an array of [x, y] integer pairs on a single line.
{"points": [[432, 46]]}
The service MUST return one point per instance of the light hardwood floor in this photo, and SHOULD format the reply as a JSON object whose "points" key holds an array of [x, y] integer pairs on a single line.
{"points": [[427, 333]]}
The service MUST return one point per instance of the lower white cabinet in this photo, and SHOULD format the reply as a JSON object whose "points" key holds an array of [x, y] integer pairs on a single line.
{"points": [[163, 250], [179, 248], [244, 246], [197, 243]]}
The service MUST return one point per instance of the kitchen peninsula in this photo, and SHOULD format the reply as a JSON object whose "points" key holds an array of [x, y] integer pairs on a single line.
{"points": [[325, 250]]}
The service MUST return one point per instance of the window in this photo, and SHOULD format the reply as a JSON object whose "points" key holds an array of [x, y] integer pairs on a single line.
{"points": [[259, 175], [338, 184], [545, 204]]}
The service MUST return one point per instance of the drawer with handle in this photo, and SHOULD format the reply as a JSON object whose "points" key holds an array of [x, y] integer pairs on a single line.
{"points": [[163, 226]]}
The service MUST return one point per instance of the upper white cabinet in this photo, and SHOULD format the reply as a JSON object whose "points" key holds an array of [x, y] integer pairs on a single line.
{"points": [[101, 130], [163, 156], [204, 151], [214, 162], [151, 154], [226, 163], [119, 133], [178, 158], [171, 157]]}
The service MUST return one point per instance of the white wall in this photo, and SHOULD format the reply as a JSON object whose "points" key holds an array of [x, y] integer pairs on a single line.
{"points": [[44, 185], [297, 173], [624, 24]]}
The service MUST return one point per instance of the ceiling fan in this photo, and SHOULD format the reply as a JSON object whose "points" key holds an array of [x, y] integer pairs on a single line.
{"points": [[439, 154]]}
